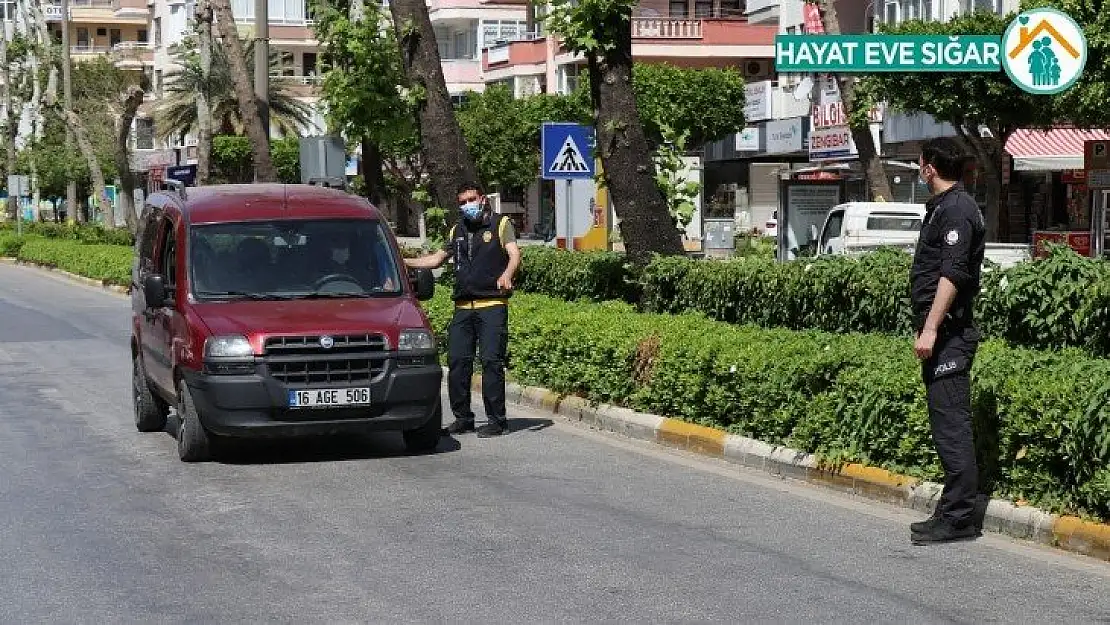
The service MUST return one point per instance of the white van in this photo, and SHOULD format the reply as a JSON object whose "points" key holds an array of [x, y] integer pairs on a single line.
{"points": [[859, 227]]}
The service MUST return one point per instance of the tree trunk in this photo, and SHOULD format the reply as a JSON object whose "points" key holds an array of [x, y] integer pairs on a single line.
{"points": [[95, 172], [988, 154], [646, 224], [204, 109], [37, 126], [131, 103], [869, 156], [10, 130], [443, 150], [244, 93], [372, 175]]}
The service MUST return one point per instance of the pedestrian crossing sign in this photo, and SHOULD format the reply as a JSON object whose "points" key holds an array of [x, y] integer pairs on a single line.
{"points": [[567, 151]]}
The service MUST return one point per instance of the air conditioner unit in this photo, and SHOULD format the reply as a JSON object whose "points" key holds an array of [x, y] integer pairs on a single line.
{"points": [[757, 68]]}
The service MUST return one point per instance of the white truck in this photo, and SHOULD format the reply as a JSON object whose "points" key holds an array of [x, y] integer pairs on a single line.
{"points": [[858, 227]]}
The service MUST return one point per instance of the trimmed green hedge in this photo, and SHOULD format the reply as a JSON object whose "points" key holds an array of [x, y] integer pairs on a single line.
{"points": [[1060, 301], [845, 397], [81, 233], [108, 263]]}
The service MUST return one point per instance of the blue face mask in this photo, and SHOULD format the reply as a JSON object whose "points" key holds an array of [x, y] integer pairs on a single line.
{"points": [[471, 210]]}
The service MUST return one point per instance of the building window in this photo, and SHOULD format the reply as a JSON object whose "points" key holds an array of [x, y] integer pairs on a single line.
{"points": [[679, 9], [7, 9], [157, 32], [83, 42], [891, 16], [157, 83], [115, 38], [143, 36]]}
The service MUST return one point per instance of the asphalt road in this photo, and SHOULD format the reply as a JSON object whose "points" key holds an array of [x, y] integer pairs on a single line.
{"points": [[101, 524]]}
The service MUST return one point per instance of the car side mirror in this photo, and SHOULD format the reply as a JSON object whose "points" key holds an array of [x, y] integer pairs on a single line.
{"points": [[424, 283], [154, 290]]}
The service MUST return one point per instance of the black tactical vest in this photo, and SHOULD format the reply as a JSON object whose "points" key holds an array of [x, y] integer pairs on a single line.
{"points": [[480, 260]]}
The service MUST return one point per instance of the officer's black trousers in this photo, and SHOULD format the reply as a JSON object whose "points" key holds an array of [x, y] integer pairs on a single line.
{"points": [[488, 328], [947, 377]]}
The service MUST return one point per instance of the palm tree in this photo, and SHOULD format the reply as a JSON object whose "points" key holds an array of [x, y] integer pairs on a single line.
{"points": [[176, 112]]}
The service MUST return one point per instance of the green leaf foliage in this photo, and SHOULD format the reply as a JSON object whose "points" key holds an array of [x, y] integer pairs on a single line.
{"points": [[503, 132], [1059, 301], [110, 264], [232, 159], [362, 87], [844, 397], [704, 104], [962, 99]]}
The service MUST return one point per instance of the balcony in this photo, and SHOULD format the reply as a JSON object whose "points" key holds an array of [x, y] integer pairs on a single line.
{"points": [[125, 9], [665, 28], [462, 72], [133, 54], [81, 52], [299, 86]]}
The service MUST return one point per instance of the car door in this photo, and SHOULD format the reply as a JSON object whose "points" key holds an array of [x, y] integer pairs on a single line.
{"points": [[159, 361], [151, 235], [830, 242]]}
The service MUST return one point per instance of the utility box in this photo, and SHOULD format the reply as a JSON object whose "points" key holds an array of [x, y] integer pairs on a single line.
{"points": [[720, 237], [324, 161]]}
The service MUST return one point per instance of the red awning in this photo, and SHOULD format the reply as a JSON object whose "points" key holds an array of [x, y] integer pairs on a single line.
{"points": [[1058, 149]]}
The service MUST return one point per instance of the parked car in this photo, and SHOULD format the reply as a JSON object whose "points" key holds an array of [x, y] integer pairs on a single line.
{"points": [[278, 311], [858, 227]]}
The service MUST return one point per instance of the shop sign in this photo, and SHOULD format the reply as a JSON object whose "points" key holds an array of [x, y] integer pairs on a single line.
{"points": [[831, 143], [1080, 242], [1096, 162], [757, 101], [748, 140], [784, 136], [1073, 176], [831, 114]]}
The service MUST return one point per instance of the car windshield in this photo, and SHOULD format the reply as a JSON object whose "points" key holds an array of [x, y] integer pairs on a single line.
{"points": [[292, 259]]}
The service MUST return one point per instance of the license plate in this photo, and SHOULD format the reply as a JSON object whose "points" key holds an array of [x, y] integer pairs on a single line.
{"points": [[327, 397]]}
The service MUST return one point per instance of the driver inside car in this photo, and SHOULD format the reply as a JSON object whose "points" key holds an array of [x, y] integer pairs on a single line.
{"points": [[336, 253]]}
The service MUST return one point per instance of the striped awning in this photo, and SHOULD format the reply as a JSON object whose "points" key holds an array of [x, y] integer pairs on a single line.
{"points": [[1058, 149]]}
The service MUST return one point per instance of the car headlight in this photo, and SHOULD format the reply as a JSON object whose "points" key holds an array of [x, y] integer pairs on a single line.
{"points": [[411, 340], [234, 346]]}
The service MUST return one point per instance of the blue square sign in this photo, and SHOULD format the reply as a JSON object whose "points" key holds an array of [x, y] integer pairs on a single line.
{"points": [[568, 151]]}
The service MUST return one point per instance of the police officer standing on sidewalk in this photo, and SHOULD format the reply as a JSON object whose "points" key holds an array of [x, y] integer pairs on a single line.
{"points": [[486, 260], [944, 282]]}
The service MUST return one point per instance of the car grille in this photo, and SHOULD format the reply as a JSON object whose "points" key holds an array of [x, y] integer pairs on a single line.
{"points": [[303, 361], [311, 372], [310, 344]]}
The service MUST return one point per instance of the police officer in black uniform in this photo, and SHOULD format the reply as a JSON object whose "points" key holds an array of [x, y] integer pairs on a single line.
{"points": [[944, 282], [486, 260]]}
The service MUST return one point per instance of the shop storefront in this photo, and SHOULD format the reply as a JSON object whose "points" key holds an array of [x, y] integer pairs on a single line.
{"points": [[1046, 197]]}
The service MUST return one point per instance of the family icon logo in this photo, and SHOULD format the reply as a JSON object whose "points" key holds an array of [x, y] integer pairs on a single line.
{"points": [[1046, 51]]}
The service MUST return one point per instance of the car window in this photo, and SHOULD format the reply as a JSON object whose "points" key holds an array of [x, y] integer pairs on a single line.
{"points": [[907, 223], [289, 259], [832, 227], [167, 262]]}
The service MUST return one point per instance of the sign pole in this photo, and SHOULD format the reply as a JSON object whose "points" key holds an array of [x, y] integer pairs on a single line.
{"points": [[570, 214]]}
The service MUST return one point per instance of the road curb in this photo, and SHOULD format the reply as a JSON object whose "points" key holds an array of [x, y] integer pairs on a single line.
{"points": [[72, 277], [1003, 517]]}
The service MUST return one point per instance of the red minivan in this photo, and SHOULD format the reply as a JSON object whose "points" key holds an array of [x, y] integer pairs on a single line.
{"points": [[276, 310]]}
